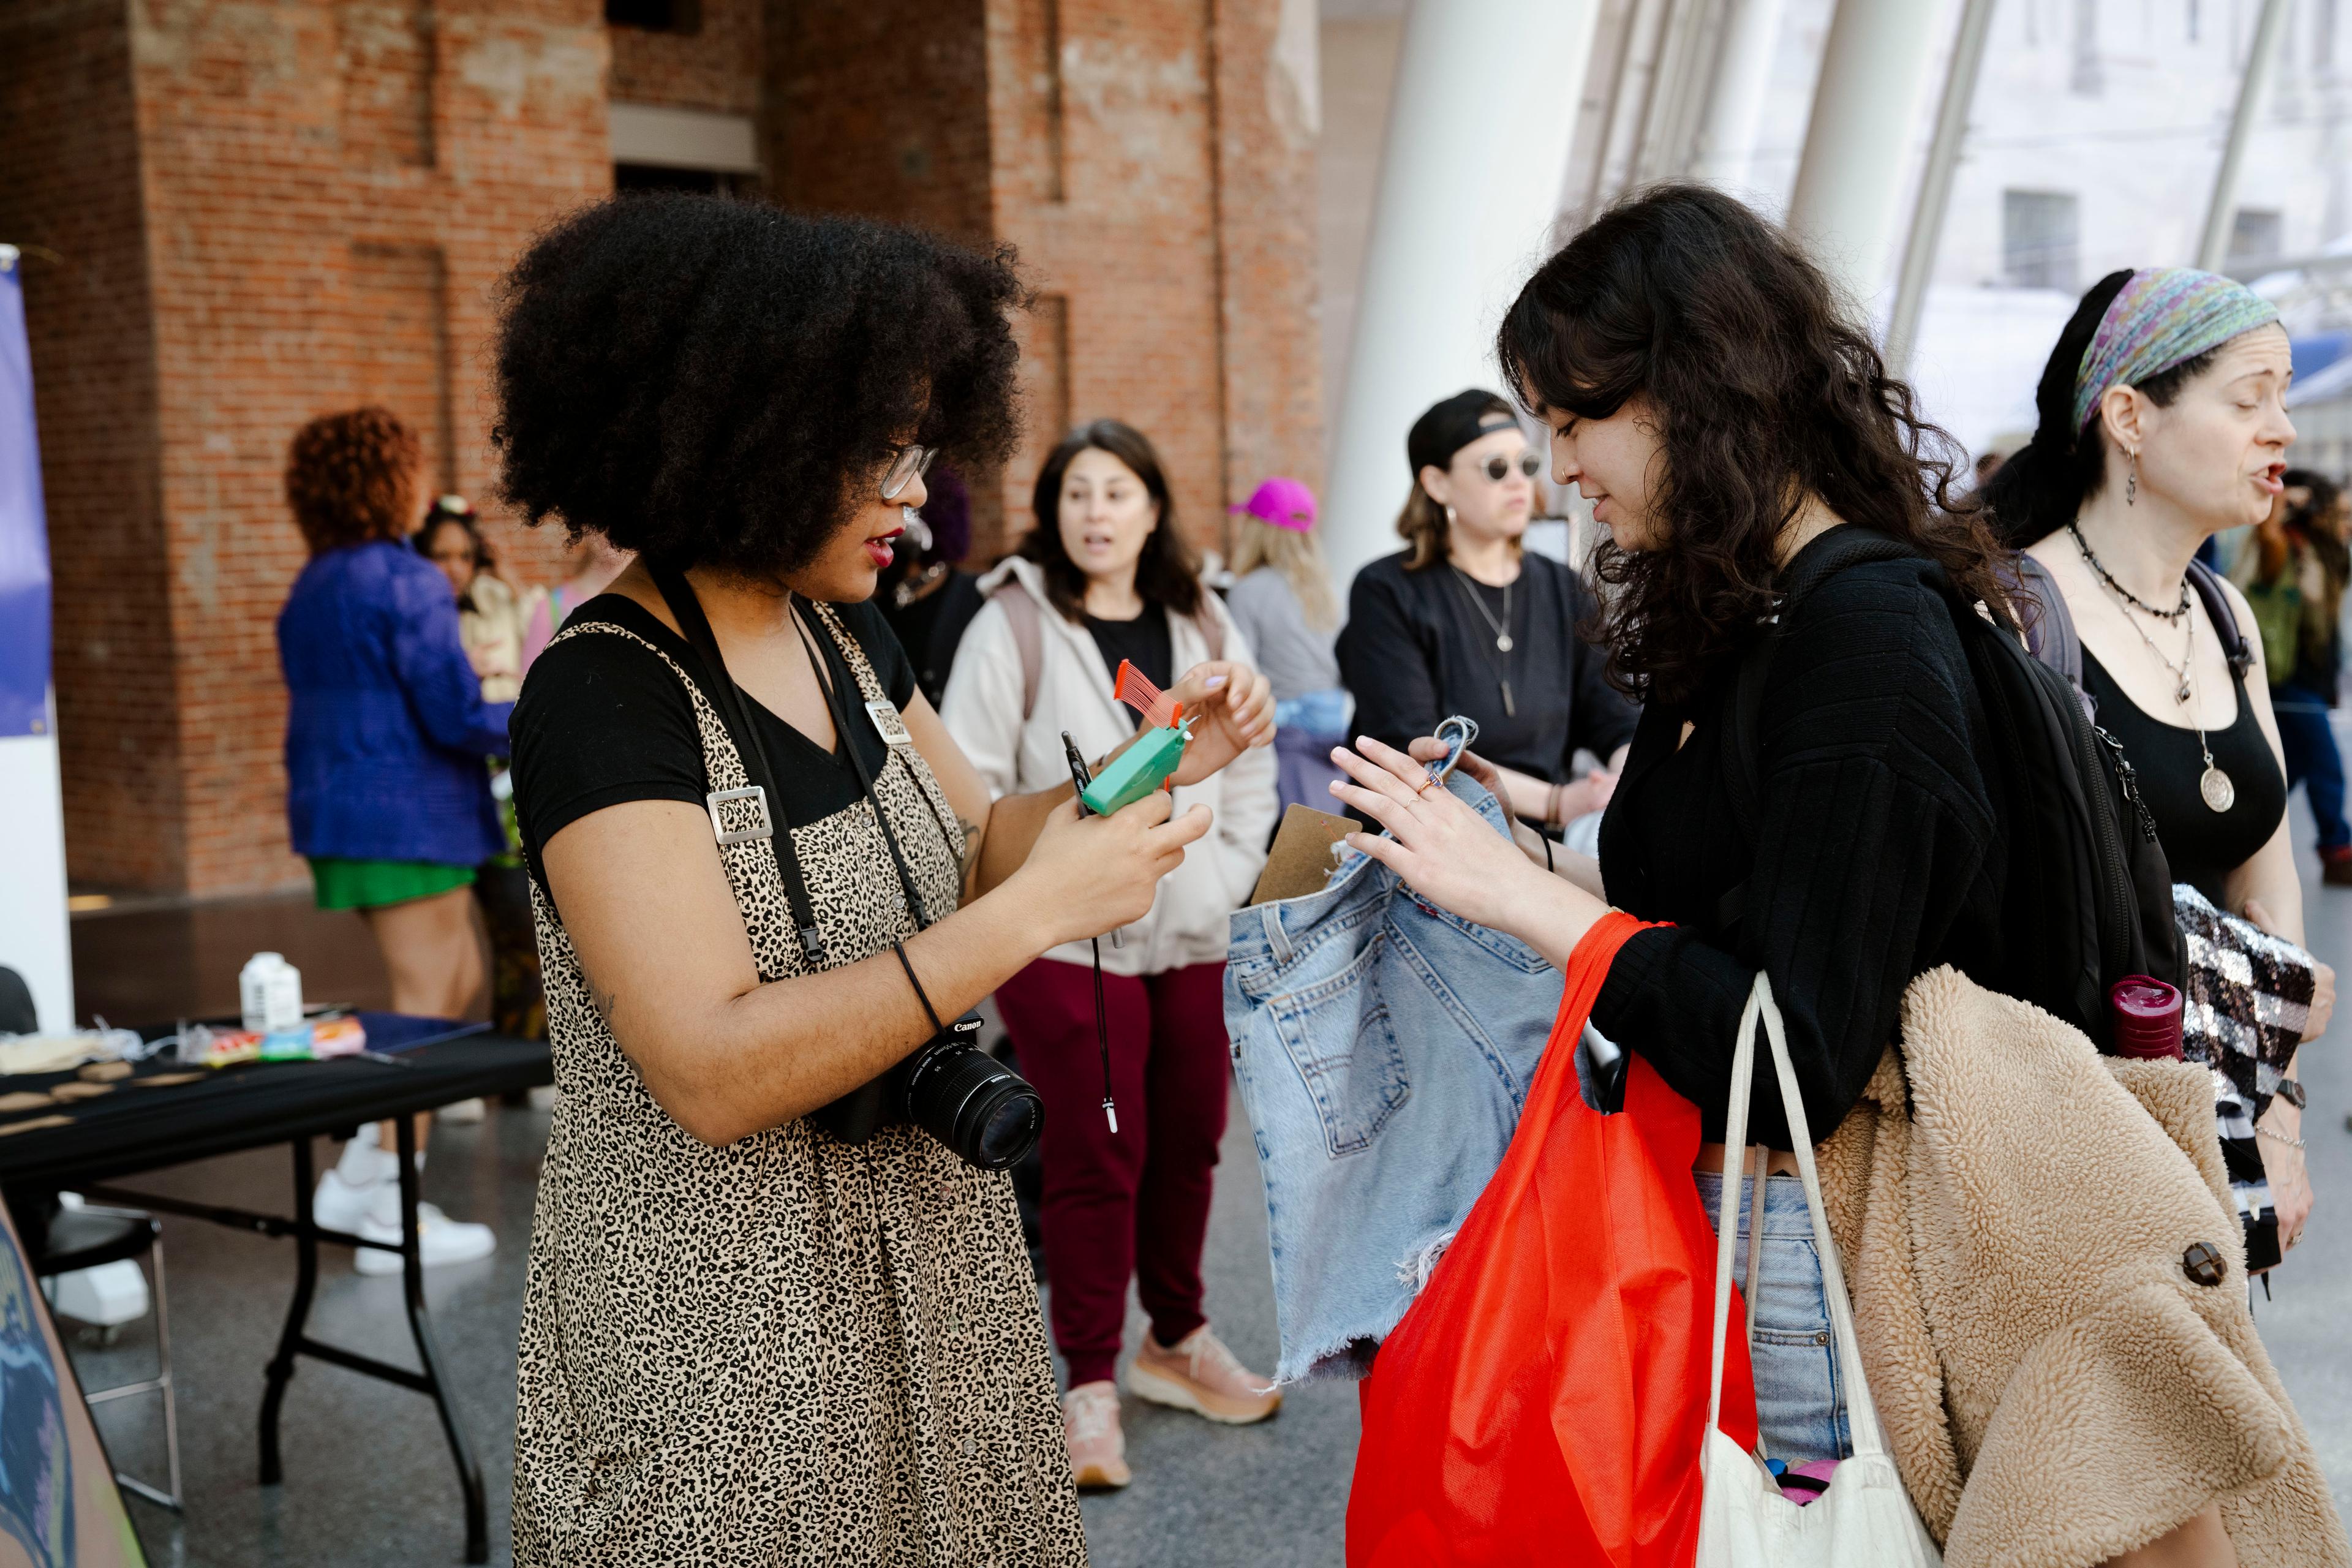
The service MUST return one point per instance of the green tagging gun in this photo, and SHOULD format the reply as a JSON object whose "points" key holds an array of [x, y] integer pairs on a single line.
{"points": [[1145, 766]]}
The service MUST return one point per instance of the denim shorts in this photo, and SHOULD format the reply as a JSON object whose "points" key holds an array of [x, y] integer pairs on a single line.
{"points": [[1800, 1393]]}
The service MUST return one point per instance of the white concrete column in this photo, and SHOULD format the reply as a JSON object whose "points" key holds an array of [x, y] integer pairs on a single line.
{"points": [[1935, 183], [1743, 79], [1874, 83], [2221, 207], [1470, 174]]}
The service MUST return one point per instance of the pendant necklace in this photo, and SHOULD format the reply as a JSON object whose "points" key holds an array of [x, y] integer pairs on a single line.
{"points": [[1502, 630], [2214, 787], [915, 587]]}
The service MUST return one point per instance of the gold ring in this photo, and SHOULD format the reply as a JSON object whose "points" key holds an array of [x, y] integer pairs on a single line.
{"points": [[1424, 789]]}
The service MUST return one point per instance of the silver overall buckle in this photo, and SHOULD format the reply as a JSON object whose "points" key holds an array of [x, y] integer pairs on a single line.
{"points": [[758, 798]]}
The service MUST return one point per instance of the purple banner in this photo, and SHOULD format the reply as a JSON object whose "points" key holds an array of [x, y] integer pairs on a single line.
{"points": [[23, 529]]}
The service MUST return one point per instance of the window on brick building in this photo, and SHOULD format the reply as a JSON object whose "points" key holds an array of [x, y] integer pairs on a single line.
{"points": [[656, 16], [711, 182], [2041, 244], [2256, 234]]}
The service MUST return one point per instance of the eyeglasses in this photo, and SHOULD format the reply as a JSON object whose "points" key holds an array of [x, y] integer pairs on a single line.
{"points": [[1498, 470], [911, 461]]}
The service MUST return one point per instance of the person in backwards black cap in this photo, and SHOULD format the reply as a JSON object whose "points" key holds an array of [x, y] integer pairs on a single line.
{"points": [[1463, 620]]}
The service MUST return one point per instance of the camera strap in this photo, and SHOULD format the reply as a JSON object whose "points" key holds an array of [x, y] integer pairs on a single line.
{"points": [[768, 819], [838, 706]]}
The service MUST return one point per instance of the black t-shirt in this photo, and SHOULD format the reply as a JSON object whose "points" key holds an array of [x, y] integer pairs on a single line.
{"points": [[2201, 846], [603, 721], [1143, 642], [932, 629], [1417, 647]]}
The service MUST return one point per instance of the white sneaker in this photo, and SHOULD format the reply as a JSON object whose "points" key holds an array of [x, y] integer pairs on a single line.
{"points": [[439, 1240], [340, 1204], [464, 1112]]}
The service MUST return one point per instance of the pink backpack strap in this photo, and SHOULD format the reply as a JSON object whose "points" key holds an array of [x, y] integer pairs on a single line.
{"points": [[1028, 636]]}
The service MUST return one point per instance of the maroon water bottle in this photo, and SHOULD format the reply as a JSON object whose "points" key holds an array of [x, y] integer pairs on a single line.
{"points": [[2145, 1016]]}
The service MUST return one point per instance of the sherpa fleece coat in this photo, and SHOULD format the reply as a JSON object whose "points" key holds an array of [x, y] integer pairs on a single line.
{"points": [[2055, 1385]]}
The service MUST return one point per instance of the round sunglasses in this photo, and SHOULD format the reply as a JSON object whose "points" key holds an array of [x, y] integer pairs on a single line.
{"points": [[1498, 470]]}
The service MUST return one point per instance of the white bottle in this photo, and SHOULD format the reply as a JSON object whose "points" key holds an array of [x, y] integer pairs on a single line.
{"points": [[269, 991]]}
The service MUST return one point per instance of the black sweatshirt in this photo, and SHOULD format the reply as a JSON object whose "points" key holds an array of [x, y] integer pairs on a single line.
{"points": [[1416, 649], [1883, 852]]}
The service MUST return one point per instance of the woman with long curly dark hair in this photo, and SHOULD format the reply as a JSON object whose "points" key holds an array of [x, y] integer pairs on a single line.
{"points": [[1704, 390], [768, 1314], [387, 793]]}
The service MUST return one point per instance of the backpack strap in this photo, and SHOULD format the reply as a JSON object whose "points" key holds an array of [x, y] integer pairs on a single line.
{"points": [[2049, 633], [2234, 647], [1844, 546], [1028, 636], [1212, 622]]}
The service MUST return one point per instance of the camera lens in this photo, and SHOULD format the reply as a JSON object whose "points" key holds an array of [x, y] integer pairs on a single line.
{"points": [[1010, 1126], [983, 1110]]}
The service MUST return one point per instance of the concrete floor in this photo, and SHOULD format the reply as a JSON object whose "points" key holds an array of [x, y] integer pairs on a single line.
{"points": [[368, 1479]]}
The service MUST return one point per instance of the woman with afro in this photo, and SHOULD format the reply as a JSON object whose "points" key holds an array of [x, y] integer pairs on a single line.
{"points": [[761, 1325]]}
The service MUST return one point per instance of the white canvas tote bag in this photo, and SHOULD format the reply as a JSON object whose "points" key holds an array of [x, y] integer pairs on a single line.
{"points": [[1865, 1518]]}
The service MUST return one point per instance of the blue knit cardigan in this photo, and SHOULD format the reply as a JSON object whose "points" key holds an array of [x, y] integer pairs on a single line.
{"points": [[387, 732]]}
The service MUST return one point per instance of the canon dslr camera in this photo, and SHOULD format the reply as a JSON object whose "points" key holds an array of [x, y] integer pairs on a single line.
{"points": [[981, 1110]]}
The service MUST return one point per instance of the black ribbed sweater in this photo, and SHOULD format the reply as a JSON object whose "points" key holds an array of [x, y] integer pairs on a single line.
{"points": [[1882, 852]]}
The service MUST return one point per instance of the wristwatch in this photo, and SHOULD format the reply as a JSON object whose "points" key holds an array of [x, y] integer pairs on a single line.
{"points": [[2291, 1090]]}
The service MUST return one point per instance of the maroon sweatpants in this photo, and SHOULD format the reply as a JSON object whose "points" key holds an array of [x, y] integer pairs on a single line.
{"points": [[1136, 1202]]}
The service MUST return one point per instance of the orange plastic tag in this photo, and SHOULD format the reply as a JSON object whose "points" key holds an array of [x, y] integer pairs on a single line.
{"points": [[1136, 689]]}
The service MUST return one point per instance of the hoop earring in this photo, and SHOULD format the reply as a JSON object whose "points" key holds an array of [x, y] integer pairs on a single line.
{"points": [[2131, 481]]}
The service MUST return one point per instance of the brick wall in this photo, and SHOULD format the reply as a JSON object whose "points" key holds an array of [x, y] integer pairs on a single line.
{"points": [[1162, 197], [69, 193], [715, 67], [1267, 123], [273, 208], [332, 190]]}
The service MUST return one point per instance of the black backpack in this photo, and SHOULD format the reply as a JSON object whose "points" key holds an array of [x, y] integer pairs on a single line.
{"points": [[2089, 898]]}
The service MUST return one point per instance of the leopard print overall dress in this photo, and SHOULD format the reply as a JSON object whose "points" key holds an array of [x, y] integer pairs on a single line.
{"points": [[789, 1350]]}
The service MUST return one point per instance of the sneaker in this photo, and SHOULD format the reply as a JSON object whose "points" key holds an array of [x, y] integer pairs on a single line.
{"points": [[439, 1240], [339, 1203], [1098, 1448], [464, 1112], [2335, 866], [1199, 1374]]}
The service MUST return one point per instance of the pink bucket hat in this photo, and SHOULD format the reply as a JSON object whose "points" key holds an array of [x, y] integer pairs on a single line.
{"points": [[1285, 503]]}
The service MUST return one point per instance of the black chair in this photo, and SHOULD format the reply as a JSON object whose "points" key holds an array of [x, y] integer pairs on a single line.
{"points": [[86, 1238], [16, 1014], [65, 1240]]}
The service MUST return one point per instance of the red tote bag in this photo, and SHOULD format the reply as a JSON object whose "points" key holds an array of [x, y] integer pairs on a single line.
{"points": [[1543, 1399]]}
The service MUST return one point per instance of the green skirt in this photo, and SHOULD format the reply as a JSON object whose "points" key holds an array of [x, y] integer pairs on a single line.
{"points": [[372, 884]]}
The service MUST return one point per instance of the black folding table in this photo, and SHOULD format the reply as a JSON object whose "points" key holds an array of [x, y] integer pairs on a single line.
{"points": [[134, 1127]]}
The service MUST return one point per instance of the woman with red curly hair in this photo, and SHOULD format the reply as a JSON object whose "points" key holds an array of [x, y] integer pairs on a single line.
{"points": [[386, 793]]}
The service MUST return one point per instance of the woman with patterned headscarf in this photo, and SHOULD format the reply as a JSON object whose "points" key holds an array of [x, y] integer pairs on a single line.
{"points": [[2163, 422]]}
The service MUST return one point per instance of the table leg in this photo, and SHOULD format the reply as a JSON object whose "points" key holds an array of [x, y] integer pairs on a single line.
{"points": [[298, 1316], [411, 1279]]}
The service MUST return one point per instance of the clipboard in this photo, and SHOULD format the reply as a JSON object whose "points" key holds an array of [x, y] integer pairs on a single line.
{"points": [[1301, 859]]}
